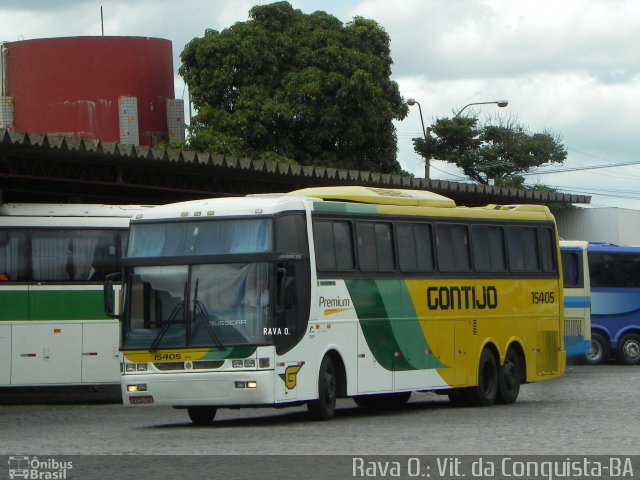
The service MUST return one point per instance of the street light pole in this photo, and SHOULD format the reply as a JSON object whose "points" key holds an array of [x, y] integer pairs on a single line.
{"points": [[411, 102], [500, 103]]}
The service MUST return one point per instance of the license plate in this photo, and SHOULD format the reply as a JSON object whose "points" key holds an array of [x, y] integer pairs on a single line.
{"points": [[141, 400]]}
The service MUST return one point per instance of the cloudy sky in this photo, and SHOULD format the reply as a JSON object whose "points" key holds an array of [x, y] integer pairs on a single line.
{"points": [[570, 66]]}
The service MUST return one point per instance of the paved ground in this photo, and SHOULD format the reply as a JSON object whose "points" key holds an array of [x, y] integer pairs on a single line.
{"points": [[591, 410]]}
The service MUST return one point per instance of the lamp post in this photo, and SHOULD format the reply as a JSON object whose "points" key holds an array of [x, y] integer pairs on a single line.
{"points": [[411, 102], [500, 103]]}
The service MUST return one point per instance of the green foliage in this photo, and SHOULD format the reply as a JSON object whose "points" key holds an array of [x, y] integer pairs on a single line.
{"points": [[300, 87], [491, 154]]}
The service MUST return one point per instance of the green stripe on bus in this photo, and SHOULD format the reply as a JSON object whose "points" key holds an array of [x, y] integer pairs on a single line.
{"points": [[390, 326], [66, 305], [14, 305], [410, 335]]}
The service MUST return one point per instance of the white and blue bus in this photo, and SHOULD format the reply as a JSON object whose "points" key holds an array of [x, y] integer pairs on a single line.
{"points": [[577, 299], [615, 307]]}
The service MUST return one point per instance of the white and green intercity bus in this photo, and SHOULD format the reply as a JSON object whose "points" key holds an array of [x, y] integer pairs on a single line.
{"points": [[53, 264], [325, 293]]}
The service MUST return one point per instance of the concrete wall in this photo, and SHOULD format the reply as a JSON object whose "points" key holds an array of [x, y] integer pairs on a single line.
{"points": [[613, 225]]}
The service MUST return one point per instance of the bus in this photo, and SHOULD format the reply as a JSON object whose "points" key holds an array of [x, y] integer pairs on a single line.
{"points": [[615, 309], [53, 264], [577, 299], [325, 293]]}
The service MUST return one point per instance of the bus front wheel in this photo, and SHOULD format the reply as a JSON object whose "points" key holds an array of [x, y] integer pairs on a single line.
{"points": [[324, 407], [628, 351], [599, 351], [201, 415]]}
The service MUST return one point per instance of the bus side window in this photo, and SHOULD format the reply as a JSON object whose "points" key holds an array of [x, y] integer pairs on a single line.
{"points": [[334, 245], [570, 269], [522, 243], [13, 256], [452, 245]]}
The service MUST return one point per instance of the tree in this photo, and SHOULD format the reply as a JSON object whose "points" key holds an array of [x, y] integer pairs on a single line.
{"points": [[288, 86], [493, 154]]}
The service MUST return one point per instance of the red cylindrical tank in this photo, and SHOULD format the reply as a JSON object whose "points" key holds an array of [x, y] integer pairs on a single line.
{"points": [[71, 85]]}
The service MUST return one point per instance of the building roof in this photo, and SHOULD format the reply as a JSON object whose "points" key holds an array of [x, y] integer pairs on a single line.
{"points": [[49, 167]]}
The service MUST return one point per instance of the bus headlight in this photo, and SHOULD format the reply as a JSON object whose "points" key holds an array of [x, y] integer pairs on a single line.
{"points": [[248, 384], [140, 387], [135, 367]]}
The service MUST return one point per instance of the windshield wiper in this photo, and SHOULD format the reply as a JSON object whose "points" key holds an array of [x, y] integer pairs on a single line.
{"points": [[198, 306], [165, 327]]}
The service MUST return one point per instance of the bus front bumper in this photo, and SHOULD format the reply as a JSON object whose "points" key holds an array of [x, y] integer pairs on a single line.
{"points": [[212, 389]]}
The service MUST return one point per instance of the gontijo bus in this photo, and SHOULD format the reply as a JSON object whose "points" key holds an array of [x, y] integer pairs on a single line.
{"points": [[338, 292], [53, 263]]}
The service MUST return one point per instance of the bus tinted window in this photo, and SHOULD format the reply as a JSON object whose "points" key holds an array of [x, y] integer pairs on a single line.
{"points": [[375, 247], [183, 238], [614, 270], [13, 256], [291, 234], [488, 249], [61, 255], [523, 249], [415, 247], [547, 250], [334, 245], [452, 244], [571, 269]]}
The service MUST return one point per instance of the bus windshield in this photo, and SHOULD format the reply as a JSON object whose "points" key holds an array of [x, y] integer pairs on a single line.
{"points": [[204, 305], [217, 237]]}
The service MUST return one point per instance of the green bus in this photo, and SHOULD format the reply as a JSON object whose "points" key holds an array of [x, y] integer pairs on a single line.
{"points": [[53, 263]]}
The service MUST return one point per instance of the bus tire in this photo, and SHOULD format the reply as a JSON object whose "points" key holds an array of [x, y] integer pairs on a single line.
{"points": [[382, 401], [202, 415], [598, 354], [324, 407], [509, 378], [484, 394], [628, 352]]}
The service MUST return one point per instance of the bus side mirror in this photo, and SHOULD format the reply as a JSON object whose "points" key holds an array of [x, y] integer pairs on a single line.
{"points": [[110, 296]]}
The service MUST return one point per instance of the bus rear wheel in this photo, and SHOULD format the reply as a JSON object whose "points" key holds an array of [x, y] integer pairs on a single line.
{"points": [[509, 378], [628, 352], [598, 353], [324, 407], [485, 393], [202, 415]]}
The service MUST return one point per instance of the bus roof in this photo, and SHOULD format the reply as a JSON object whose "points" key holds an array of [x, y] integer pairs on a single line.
{"points": [[613, 248], [378, 196], [68, 210]]}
